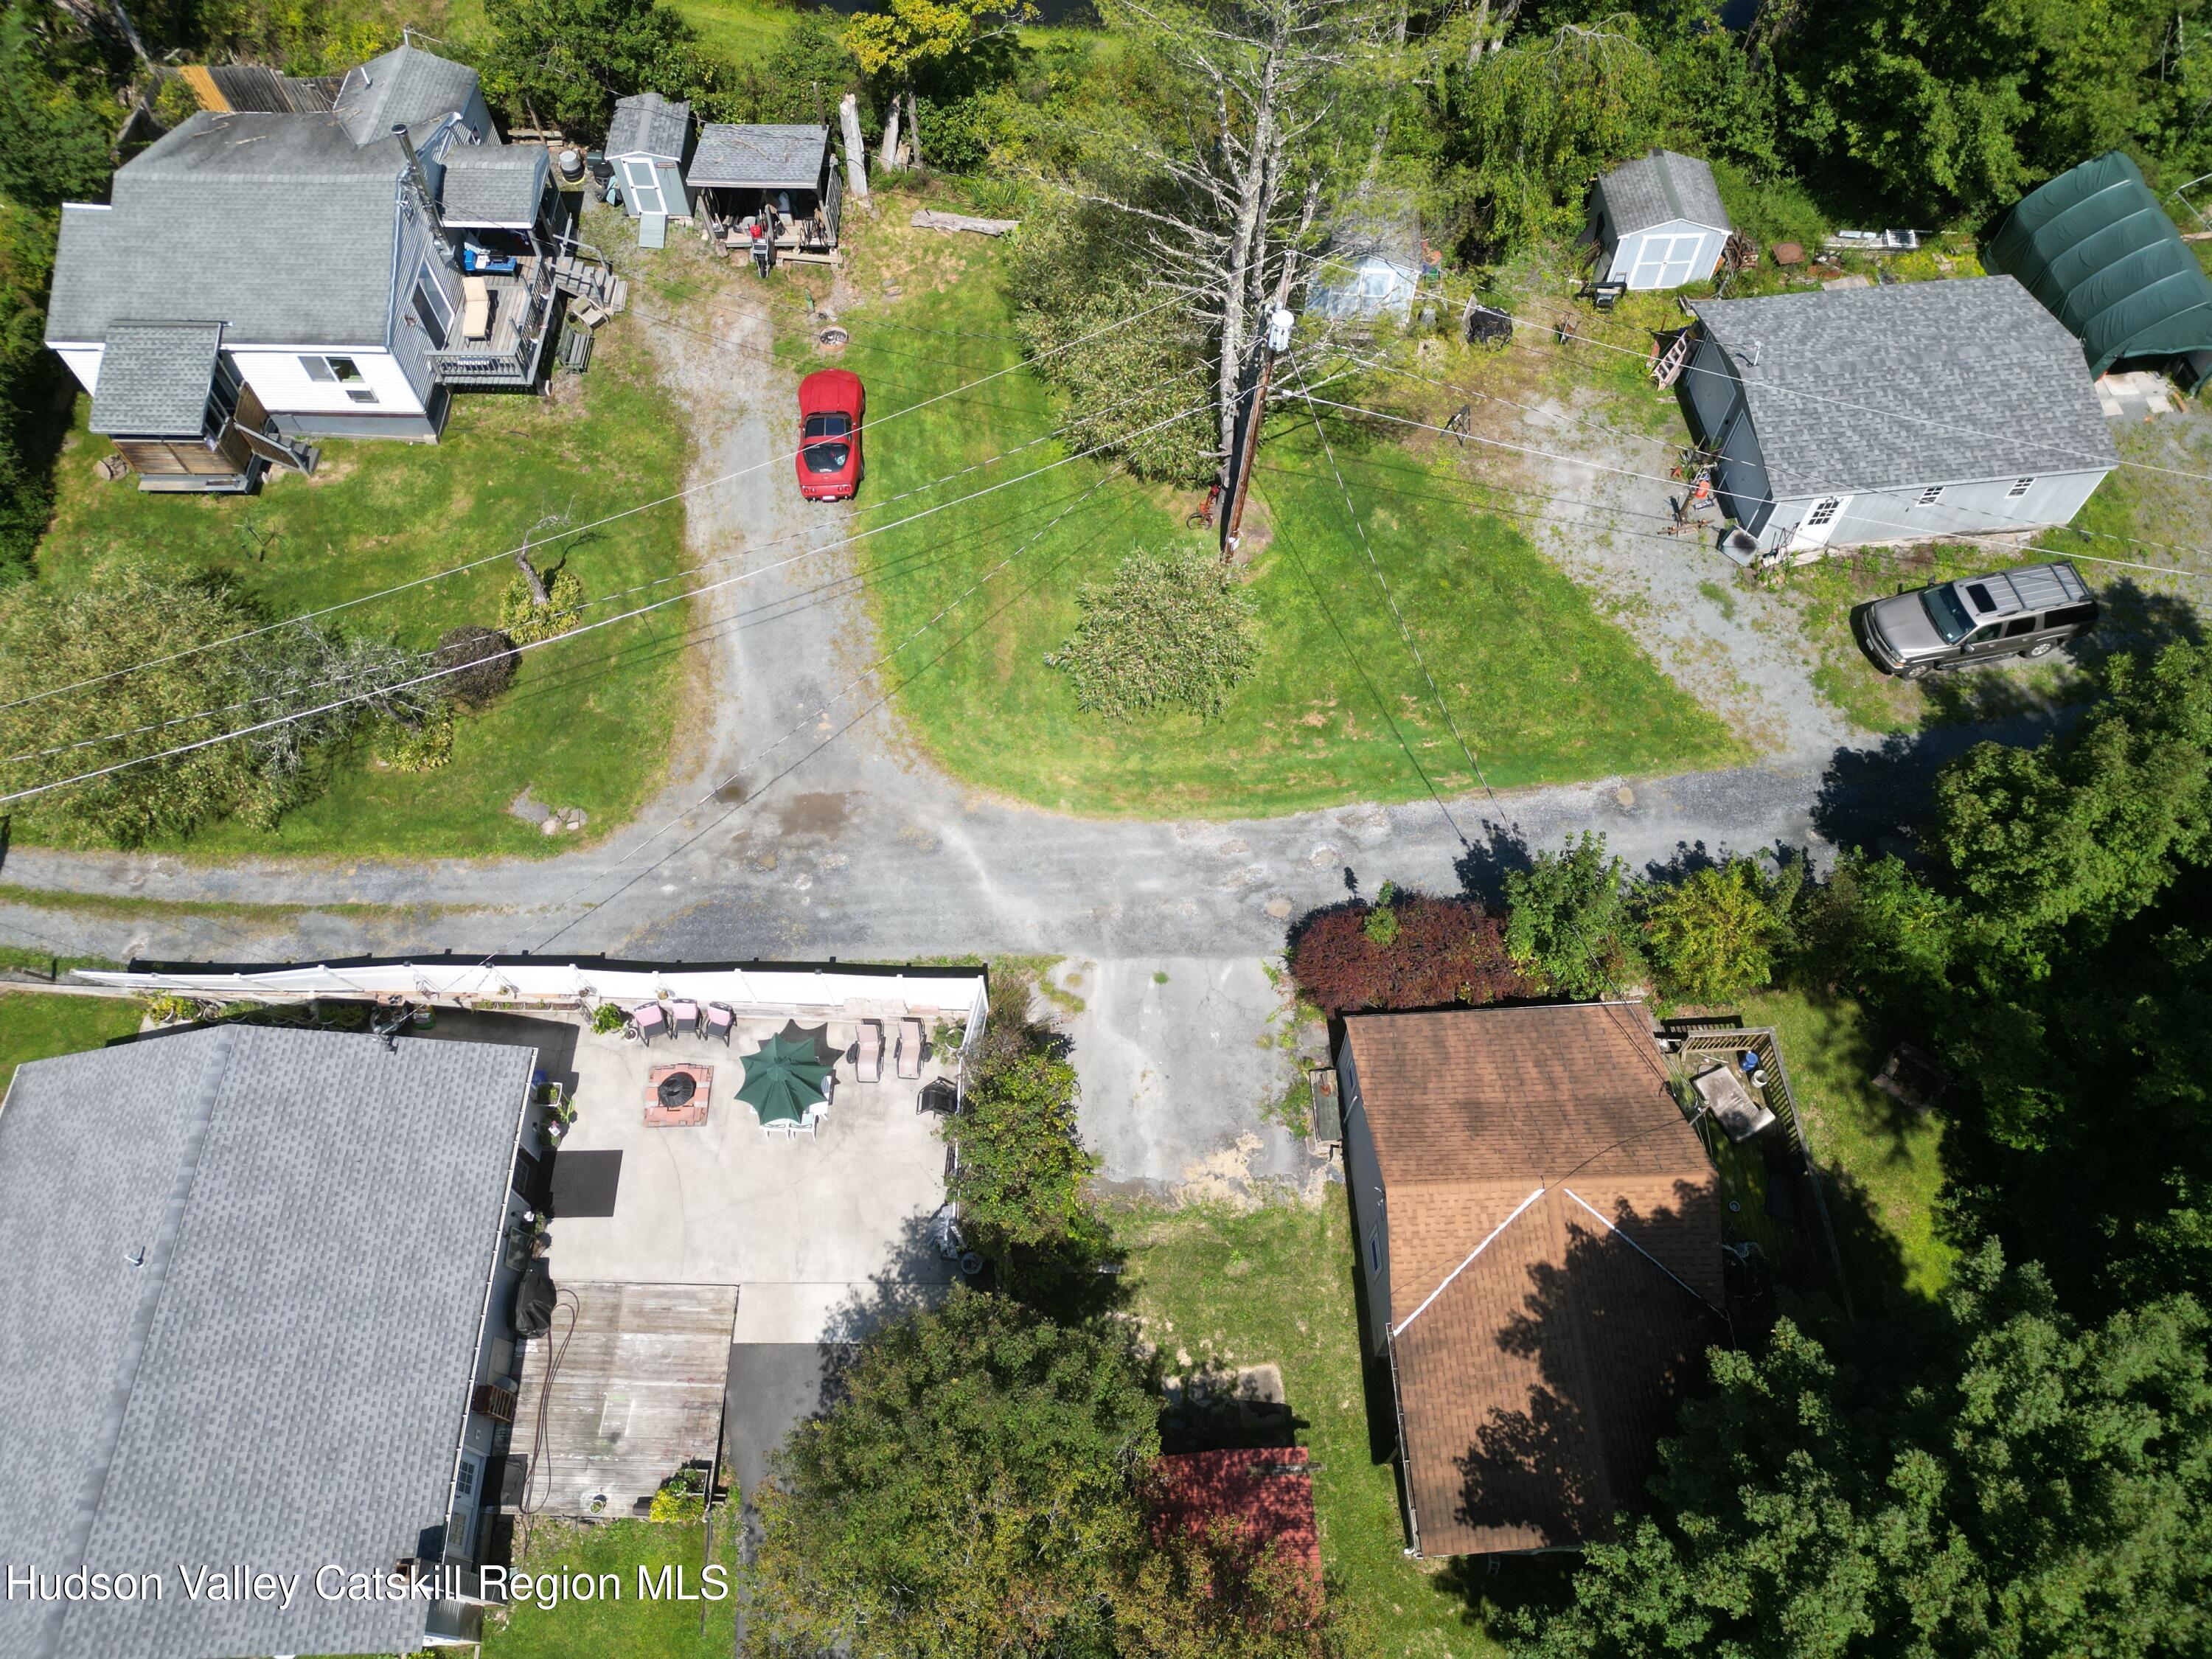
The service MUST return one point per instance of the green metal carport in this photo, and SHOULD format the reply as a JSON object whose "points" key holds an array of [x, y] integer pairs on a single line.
{"points": [[2095, 247]]}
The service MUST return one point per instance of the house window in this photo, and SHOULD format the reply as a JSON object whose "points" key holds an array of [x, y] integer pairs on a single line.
{"points": [[1932, 494], [342, 371], [2020, 487], [465, 1486], [432, 309], [1373, 1253], [361, 394], [1824, 511]]}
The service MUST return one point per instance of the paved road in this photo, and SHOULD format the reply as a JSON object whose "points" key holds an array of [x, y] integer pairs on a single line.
{"points": [[812, 828]]}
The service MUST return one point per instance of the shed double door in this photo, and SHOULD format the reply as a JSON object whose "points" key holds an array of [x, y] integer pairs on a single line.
{"points": [[1666, 260]]}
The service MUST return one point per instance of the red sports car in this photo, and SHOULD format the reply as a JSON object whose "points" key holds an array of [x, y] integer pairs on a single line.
{"points": [[831, 403]]}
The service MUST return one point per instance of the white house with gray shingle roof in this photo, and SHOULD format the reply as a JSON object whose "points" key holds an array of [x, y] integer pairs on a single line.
{"points": [[1898, 414], [318, 248], [1657, 221], [258, 1286]]}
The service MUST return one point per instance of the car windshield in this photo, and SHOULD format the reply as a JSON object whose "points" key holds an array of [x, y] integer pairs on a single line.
{"points": [[826, 458], [828, 426], [1949, 617]]}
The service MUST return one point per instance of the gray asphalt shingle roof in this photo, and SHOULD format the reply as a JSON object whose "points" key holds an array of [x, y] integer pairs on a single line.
{"points": [[245, 1272], [758, 157], [648, 125], [1664, 186], [155, 379], [407, 85], [1918, 384], [279, 227], [492, 185]]}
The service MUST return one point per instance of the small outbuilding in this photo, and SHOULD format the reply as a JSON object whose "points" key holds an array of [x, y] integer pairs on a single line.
{"points": [[1657, 222], [1374, 264], [783, 180], [646, 143], [2096, 249], [1892, 413]]}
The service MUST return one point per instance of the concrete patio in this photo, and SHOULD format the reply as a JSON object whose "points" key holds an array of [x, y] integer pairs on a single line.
{"points": [[823, 1234]]}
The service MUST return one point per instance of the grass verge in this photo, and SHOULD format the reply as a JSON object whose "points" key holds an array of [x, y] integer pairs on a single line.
{"points": [[1885, 1162], [1276, 1285], [1544, 689], [39, 1024], [635, 1622], [377, 514]]}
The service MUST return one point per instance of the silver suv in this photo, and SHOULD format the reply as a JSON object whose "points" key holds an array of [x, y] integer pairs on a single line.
{"points": [[2029, 612]]}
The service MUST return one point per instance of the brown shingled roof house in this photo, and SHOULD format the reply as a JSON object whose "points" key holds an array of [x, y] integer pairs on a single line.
{"points": [[1540, 1227]]}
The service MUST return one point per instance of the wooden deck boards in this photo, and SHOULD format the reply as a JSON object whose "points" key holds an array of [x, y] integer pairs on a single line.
{"points": [[637, 1396]]}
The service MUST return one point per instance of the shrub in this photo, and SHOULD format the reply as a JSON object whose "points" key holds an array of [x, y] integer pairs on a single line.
{"points": [[1567, 920], [526, 621], [1171, 629], [477, 665], [1714, 937], [682, 1497], [608, 1017], [1437, 950], [1020, 1184], [423, 746]]}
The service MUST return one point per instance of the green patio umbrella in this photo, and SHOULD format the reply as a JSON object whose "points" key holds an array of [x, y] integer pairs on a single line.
{"points": [[782, 1080]]}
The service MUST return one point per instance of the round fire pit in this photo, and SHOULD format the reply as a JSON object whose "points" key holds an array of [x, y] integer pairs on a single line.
{"points": [[676, 1088]]}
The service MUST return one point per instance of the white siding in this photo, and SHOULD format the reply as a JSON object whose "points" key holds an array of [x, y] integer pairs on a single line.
{"points": [[1691, 253], [1980, 507], [280, 380], [83, 362]]}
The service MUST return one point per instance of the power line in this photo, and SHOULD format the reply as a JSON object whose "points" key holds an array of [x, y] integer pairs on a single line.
{"points": [[248, 730], [1841, 403], [1652, 477], [563, 535], [608, 599]]}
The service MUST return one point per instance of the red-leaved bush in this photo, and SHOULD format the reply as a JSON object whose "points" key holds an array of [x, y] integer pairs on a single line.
{"points": [[1445, 950]]}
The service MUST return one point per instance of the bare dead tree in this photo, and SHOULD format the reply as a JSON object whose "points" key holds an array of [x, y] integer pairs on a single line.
{"points": [[1242, 178]]}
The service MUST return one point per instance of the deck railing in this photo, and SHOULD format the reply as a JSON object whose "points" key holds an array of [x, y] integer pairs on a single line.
{"points": [[478, 365]]}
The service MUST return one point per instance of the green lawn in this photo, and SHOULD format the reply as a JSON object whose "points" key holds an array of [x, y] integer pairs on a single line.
{"points": [[662, 1627], [586, 724], [1885, 1164], [740, 31], [1543, 688], [39, 1024], [1276, 1285]]}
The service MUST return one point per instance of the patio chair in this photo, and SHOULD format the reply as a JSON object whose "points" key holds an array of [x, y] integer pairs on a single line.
{"points": [[909, 1048], [870, 1063], [685, 1017], [828, 1092], [721, 1021], [649, 1021], [476, 308]]}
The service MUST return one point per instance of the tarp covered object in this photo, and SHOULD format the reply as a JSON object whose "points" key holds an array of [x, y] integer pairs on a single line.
{"points": [[2096, 249]]}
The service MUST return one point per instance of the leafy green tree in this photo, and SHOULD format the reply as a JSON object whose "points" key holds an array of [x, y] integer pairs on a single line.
{"points": [[57, 120], [801, 79], [567, 61], [972, 1491], [1715, 936], [1020, 1184], [2029, 1487], [1170, 629], [938, 41], [31, 382], [2085, 831], [129, 614], [1566, 921]]}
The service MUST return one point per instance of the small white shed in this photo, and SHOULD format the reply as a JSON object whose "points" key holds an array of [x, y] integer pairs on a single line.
{"points": [[647, 142], [1373, 262], [1657, 222]]}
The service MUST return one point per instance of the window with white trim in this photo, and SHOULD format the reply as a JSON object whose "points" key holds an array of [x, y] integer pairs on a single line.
{"points": [[1824, 510], [2019, 487], [1932, 494], [340, 371]]}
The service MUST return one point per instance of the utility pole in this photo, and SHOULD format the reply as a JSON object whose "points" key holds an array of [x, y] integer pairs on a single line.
{"points": [[1278, 340]]}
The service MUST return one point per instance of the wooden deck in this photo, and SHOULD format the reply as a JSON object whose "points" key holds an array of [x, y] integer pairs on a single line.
{"points": [[637, 1396]]}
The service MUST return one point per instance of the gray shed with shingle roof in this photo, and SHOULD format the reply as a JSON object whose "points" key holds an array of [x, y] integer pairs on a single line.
{"points": [[646, 142], [736, 157], [155, 379], [1657, 221], [1896, 414], [246, 1273]]}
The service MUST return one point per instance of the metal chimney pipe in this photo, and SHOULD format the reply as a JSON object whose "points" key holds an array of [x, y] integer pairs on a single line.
{"points": [[420, 183]]}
